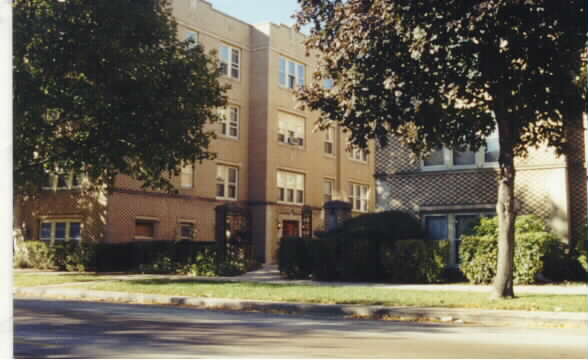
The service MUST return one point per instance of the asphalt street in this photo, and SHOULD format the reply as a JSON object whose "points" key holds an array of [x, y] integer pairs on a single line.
{"points": [[71, 329]]}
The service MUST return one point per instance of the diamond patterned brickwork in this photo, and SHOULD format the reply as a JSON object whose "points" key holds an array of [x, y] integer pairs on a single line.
{"points": [[578, 203], [394, 158], [535, 192]]}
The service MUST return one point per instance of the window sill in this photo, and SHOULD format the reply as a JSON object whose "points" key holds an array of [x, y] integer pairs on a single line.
{"points": [[225, 199], [289, 203], [142, 237], [291, 147], [227, 137], [359, 161], [329, 156], [230, 78]]}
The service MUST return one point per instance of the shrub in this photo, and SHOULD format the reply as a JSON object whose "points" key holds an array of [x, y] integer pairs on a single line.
{"points": [[534, 245], [359, 258], [68, 255], [295, 257], [36, 254], [161, 265], [415, 261], [385, 226], [324, 259], [203, 264]]}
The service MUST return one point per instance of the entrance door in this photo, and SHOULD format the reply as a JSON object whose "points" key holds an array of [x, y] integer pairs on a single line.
{"points": [[290, 228]]}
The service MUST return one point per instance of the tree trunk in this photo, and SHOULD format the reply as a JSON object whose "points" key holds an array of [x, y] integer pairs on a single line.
{"points": [[505, 210]]}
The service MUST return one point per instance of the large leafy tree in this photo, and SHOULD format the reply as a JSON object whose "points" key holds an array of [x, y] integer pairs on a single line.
{"points": [[449, 72], [107, 88]]}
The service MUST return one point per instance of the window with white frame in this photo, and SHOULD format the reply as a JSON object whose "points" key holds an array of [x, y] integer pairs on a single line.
{"points": [[328, 186], [492, 149], [290, 129], [230, 59], [186, 231], [187, 176], [330, 141], [192, 36], [60, 230], [227, 181], [63, 181], [230, 122], [359, 154], [443, 158], [359, 197], [452, 227], [291, 73], [290, 188]]}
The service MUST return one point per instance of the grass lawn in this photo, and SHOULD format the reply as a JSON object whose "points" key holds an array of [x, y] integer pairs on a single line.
{"points": [[24, 279], [340, 295]]}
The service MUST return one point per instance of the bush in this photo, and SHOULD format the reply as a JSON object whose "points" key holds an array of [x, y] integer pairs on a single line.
{"points": [[534, 246], [295, 257], [385, 226], [415, 261], [324, 255], [203, 264], [359, 258], [37, 255], [69, 255]]}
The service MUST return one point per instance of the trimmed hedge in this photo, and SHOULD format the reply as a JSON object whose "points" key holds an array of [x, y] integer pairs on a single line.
{"points": [[416, 261], [537, 250], [295, 257]]}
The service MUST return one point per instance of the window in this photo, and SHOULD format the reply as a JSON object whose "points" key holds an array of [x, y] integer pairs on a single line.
{"points": [[290, 188], [442, 158], [492, 149], [291, 73], [328, 186], [359, 197], [290, 129], [328, 83], [359, 154], [192, 36], [451, 227], [230, 59], [61, 181], [230, 122], [187, 176], [226, 182], [144, 229], [435, 158], [60, 230], [329, 141], [187, 231]]}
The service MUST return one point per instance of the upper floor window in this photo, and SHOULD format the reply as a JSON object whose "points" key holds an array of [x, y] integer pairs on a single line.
{"points": [[193, 37], [330, 141], [63, 181], [230, 122], [291, 73], [290, 187], [230, 59], [442, 158], [60, 230], [359, 197], [492, 150], [328, 186], [290, 129], [328, 83], [227, 180], [187, 176]]}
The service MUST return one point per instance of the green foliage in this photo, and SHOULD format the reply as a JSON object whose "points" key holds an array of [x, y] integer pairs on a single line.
{"points": [[535, 247], [324, 255], [69, 255], [295, 257], [96, 85], [203, 264], [415, 261], [161, 265], [359, 257], [388, 225]]}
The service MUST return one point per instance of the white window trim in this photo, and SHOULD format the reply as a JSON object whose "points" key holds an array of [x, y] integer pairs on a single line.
{"points": [[326, 140], [451, 230], [68, 181], [287, 73], [448, 162], [294, 140], [226, 182], [226, 120], [53, 222], [361, 200], [184, 173], [332, 182], [230, 63], [295, 189]]}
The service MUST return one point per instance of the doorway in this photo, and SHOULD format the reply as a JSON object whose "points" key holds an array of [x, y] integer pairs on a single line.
{"points": [[290, 228]]}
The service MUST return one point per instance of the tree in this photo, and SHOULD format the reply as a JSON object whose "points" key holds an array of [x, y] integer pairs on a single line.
{"points": [[450, 72], [106, 88]]}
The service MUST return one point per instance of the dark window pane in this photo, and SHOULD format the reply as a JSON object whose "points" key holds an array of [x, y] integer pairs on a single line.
{"points": [[436, 227], [492, 150], [187, 230], [75, 231], [290, 195], [60, 231], [232, 192], [45, 231], [281, 195], [62, 181], [464, 158], [299, 196], [144, 228], [220, 190], [435, 158]]}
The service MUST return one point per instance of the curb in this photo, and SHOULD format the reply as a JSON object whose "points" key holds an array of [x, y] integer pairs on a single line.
{"points": [[485, 317]]}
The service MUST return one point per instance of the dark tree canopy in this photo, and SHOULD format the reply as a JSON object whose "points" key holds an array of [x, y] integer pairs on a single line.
{"points": [[449, 73], [107, 88], [434, 72]]}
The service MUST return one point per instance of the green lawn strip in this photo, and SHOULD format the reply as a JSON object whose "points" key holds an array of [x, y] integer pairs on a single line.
{"points": [[341, 295], [26, 280]]}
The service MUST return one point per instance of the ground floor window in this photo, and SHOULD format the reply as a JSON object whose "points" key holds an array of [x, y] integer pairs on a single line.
{"points": [[187, 231], [451, 227], [144, 229], [60, 230]]}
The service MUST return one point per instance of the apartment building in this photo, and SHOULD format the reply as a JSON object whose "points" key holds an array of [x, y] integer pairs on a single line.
{"points": [[450, 190], [270, 158]]}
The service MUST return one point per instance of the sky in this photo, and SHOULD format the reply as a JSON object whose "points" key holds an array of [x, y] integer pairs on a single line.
{"points": [[258, 11]]}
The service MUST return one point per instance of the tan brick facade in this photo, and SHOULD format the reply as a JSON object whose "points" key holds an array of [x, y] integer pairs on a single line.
{"points": [[256, 152], [546, 185]]}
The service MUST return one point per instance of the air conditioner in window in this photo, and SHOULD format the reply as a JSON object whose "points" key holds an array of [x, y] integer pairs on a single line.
{"points": [[293, 141]]}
